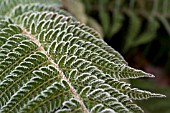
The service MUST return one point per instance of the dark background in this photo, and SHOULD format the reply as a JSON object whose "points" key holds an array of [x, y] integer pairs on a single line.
{"points": [[140, 31]]}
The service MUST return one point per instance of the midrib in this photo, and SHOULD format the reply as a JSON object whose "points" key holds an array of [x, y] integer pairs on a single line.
{"points": [[51, 61]]}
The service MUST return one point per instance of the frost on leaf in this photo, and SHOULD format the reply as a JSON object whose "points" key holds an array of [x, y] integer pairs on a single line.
{"points": [[50, 62]]}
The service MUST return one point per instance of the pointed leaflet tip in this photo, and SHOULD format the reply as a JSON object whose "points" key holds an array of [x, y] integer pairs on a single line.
{"points": [[159, 95], [145, 74], [151, 75], [148, 74]]}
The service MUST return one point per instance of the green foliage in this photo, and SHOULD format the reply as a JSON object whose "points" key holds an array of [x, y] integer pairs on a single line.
{"points": [[49, 62], [160, 105], [139, 20], [135, 26]]}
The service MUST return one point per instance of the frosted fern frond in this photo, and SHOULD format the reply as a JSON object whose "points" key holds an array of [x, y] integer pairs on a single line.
{"points": [[49, 62]]}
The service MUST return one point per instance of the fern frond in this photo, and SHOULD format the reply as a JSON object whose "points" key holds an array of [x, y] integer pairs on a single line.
{"points": [[49, 62]]}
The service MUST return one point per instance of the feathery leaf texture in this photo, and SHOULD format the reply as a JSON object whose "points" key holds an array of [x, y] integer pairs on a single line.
{"points": [[49, 62]]}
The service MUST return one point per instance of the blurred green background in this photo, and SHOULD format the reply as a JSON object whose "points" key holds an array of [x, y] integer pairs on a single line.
{"points": [[140, 31]]}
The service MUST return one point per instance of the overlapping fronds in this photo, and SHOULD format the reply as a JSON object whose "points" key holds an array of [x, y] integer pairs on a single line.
{"points": [[49, 62]]}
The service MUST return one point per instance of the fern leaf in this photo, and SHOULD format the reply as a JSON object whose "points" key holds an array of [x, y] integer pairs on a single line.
{"points": [[49, 62]]}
